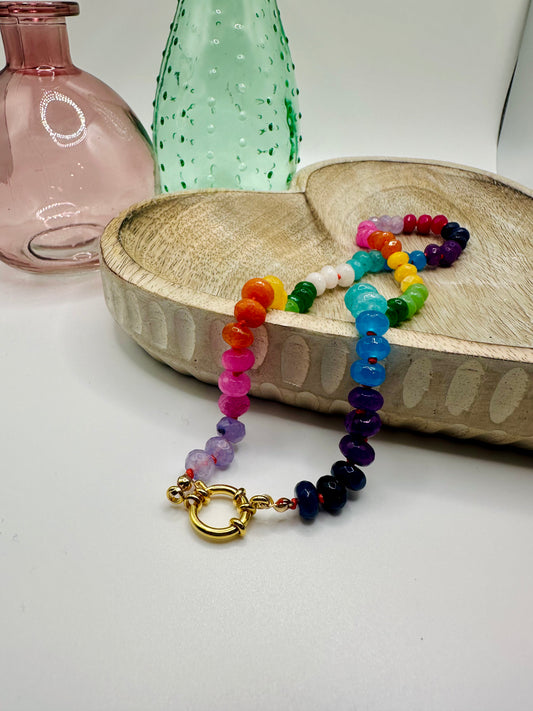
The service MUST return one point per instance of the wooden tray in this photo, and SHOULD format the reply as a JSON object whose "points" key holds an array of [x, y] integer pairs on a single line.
{"points": [[172, 269]]}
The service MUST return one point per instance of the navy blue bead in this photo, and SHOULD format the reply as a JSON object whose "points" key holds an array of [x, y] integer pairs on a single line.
{"points": [[365, 398], [349, 475], [307, 496], [461, 241], [333, 493], [364, 424], [460, 232], [448, 229]]}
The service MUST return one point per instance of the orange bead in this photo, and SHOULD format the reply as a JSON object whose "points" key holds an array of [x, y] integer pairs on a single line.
{"points": [[237, 335], [393, 245], [251, 312], [378, 238], [259, 290]]}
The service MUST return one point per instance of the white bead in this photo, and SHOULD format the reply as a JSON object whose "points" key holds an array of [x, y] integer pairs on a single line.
{"points": [[330, 275], [346, 273], [318, 280]]}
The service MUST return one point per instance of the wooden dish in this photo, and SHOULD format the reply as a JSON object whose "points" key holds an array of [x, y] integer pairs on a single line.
{"points": [[172, 269]]}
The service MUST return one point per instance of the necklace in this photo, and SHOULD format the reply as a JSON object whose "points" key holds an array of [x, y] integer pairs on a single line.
{"points": [[373, 315]]}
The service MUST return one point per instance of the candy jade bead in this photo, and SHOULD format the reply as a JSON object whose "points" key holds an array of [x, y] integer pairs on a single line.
{"points": [[367, 373], [418, 289], [364, 424], [308, 287], [365, 399], [377, 239], [291, 305], [349, 475], [377, 261], [372, 347], [353, 293], [330, 275], [280, 295], [235, 385], [384, 223], [373, 321], [361, 239], [418, 258], [450, 252], [369, 302], [345, 274], [411, 305], [232, 430], [237, 335], [448, 229], [308, 504], [392, 315], [201, 463], [432, 253], [302, 301], [405, 270], [459, 232], [356, 450], [358, 269], [238, 359], [221, 450], [396, 224], [409, 224], [260, 290], [411, 279], [364, 286], [393, 245], [333, 493], [318, 281], [361, 258], [250, 312], [437, 223], [233, 406], [423, 224], [397, 259], [398, 305]]}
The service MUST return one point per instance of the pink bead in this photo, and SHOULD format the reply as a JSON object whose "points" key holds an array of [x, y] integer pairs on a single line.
{"points": [[363, 233], [409, 224], [367, 224], [238, 359], [438, 223], [233, 406], [234, 385], [423, 224]]}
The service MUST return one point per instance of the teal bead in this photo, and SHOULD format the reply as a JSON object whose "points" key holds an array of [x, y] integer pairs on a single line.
{"points": [[358, 269], [372, 347], [373, 321], [377, 261], [362, 258], [369, 301]]}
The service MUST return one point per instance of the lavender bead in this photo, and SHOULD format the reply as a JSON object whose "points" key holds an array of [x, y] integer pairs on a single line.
{"points": [[201, 462], [221, 449], [384, 223], [364, 424], [396, 225], [231, 429], [450, 251], [356, 450], [365, 399], [432, 253]]}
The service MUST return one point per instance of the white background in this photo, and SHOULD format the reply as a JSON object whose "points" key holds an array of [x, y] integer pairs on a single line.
{"points": [[417, 597]]}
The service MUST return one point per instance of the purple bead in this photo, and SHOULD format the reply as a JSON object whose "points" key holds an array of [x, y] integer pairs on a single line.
{"points": [[433, 253], [234, 385], [356, 450], [364, 424], [221, 449], [201, 462], [396, 225], [450, 251], [231, 429], [384, 223], [365, 399], [238, 359]]}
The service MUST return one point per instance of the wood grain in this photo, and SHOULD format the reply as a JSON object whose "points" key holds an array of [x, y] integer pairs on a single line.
{"points": [[173, 267]]}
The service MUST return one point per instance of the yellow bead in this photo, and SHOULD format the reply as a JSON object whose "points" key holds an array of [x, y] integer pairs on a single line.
{"points": [[410, 280], [405, 270], [397, 259], [280, 295]]}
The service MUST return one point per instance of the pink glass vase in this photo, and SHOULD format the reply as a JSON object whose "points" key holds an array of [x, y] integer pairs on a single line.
{"points": [[72, 153]]}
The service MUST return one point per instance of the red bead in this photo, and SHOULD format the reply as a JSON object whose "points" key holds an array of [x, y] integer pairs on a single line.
{"points": [[237, 335], [260, 290], [423, 224], [250, 312], [438, 223], [409, 224]]}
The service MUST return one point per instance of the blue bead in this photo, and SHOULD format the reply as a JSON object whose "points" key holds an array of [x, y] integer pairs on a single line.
{"points": [[365, 373], [372, 347], [418, 258], [377, 261], [448, 229], [373, 321], [333, 493], [358, 269], [307, 496], [349, 475]]}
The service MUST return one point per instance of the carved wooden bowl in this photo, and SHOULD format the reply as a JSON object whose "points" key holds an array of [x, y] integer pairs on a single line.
{"points": [[172, 270]]}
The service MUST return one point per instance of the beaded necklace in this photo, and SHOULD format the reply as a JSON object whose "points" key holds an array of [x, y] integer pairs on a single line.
{"points": [[373, 316]]}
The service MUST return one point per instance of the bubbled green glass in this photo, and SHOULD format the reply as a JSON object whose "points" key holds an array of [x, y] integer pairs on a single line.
{"points": [[226, 107]]}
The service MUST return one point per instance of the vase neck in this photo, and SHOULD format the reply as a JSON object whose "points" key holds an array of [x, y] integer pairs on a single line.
{"points": [[36, 44]]}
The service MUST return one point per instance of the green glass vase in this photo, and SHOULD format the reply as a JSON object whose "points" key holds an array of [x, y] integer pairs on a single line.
{"points": [[226, 107]]}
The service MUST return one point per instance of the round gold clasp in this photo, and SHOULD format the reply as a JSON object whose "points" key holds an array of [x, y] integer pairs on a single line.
{"points": [[236, 527]]}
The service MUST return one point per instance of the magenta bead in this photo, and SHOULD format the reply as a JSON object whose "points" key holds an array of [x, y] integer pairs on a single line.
{"points": [[438, 223], [234, 385], [238, 359], [233, 406], [409, 224], [367, 224], [423, 224], [363, 233]]}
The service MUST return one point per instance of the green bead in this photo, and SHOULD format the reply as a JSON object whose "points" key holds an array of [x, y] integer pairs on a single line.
{"points": [[411, 304], [392, 315], [401, 308], [303, 298], [419, 292], [306, 286], [291, 305]]}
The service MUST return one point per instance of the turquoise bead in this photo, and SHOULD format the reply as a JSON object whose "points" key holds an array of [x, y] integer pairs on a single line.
{"points": [[372, 347], [371, 374], [418, 258], [370, 301], [377, 261], [364, 286], [363, 259], [358, 269], [373, 321]]}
